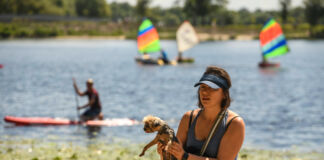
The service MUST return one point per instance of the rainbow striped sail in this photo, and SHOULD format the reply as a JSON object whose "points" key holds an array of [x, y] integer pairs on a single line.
{"points": [[272, 39], [148, 38]]}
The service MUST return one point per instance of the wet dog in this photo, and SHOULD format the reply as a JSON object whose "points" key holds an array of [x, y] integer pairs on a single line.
{"points": [[165, 134]]}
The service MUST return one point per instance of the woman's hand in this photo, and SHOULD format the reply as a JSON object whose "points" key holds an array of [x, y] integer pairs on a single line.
{"points": [[176, 150], [159, 149]]}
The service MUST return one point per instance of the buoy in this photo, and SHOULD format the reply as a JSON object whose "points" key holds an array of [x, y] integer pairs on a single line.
{"points": [[1, 66]]}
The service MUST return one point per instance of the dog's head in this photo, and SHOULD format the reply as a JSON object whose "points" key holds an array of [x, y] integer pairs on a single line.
{"points": [[152, 124]]}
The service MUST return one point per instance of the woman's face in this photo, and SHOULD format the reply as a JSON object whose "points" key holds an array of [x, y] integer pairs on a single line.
{"points": [[210, 97]]}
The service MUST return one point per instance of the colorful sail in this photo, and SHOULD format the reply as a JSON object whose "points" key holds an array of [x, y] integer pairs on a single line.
{"points": [[272, 39], [148, 38], [186, 36]]}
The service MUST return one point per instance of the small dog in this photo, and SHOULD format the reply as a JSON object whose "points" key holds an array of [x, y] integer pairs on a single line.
{"points": [[165, 134]]}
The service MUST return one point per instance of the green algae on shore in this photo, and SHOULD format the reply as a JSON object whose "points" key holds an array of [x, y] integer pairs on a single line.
{"points": [[38, 150]]}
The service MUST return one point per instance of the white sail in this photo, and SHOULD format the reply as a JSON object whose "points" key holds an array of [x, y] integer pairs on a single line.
{"points": [[186, 36]]}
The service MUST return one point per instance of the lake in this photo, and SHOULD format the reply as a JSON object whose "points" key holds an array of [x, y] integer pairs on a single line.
{"points": [[282, 108]]}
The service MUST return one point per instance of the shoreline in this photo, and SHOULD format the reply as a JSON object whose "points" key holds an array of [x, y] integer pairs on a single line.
{"points": [[203, 37], [122, 37], [38, 149]]}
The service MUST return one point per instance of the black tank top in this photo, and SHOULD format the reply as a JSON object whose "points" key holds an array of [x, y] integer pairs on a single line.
{"points": [[194, 146]]}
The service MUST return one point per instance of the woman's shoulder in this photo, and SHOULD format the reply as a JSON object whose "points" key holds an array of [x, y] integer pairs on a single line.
{"points": [[232, 114], [191, 113], [184, 123], [234, 119], [188, 114]]}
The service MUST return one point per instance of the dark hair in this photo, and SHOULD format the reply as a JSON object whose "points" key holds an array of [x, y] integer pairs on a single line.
{"points": [[226, 102]]}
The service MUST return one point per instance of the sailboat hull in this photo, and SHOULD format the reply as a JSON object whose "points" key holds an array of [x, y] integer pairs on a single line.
{"points": [[268, 65], [186, 60], [147, 61]]}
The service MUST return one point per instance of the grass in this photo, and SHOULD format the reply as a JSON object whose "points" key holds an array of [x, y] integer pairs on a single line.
{"points": [[255, 154], [31, 149], [37, 150]]}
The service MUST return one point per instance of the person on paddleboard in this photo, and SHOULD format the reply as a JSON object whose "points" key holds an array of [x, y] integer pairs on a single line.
{"points": [[94, 112]]}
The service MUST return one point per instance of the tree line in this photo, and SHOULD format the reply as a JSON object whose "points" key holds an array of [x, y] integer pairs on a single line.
{"points": [[86, 8], [199, 12]]}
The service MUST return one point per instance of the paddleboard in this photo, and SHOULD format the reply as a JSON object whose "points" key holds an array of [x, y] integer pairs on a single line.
{"points": [[63, 121]]}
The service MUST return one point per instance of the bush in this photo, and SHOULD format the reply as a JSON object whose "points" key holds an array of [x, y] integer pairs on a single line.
{"points": [[45, 32], [5, 32], [317, 32], [23, 32], [117, 32]]}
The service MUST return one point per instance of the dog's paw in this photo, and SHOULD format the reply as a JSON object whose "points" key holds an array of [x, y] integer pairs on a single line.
{"points": [[142, 154]]}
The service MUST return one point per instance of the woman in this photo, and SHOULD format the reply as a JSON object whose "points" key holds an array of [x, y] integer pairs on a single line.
{"points": [[194, 127]]}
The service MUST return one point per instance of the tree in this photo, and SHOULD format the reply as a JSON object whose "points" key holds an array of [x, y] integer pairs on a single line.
{"points": [[92, 8], [298, 15], [221, 3], [121, 11], [142, 7], [285, 5], [260, 17], [313, 11], [32, 7], [244, 16], [197, 9]]}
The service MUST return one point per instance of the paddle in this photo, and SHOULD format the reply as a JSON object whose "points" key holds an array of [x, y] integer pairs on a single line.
{"points": [[77, 102]]}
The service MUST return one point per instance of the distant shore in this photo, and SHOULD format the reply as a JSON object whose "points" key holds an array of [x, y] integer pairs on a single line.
{"points": [[201, 36], [36, 150], [106, 30], [122, 37]]}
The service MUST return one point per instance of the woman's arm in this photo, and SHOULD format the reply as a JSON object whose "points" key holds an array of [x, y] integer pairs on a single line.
{"points": [[183, 128], [232, 140]]}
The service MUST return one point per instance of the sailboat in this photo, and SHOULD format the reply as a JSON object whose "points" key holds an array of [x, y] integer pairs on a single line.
{"points": [[148, 42], [186, 39], [273, 43]]}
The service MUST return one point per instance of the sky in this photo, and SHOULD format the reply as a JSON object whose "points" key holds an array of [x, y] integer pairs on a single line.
{"points": [[251, 5]]}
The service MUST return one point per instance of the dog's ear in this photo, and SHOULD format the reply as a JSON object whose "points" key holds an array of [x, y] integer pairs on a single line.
{"points": [[156, 123]]}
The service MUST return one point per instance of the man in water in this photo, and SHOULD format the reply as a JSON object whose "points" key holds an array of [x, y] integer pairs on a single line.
{"points": [[94, 111]]}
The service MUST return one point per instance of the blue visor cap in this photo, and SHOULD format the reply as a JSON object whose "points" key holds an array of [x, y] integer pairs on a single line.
{"points": [[213, 81]]}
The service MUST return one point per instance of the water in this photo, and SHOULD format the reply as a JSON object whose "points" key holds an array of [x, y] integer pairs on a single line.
{"points": [[282, 108]]}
